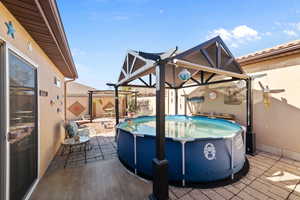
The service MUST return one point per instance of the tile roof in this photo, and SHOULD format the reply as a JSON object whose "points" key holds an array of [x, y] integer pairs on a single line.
{"points": [[276, 51]]}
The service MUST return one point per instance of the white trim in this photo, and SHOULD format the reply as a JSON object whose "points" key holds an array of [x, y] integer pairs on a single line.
{"points": [[133, 62], [29, 193], [3, 127], [7, 122], [127, 63], [8, 47], [149, 64]]}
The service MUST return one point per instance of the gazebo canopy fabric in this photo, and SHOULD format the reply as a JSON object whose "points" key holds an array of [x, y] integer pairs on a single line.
{"points": [[208, 62]]}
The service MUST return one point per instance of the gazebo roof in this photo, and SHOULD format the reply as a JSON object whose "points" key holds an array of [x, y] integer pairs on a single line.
{"points": [[208, 62]]}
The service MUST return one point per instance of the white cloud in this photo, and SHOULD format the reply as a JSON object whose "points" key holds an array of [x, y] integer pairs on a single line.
{"points": [[238, 35], [245, 32], [290, 33], [295, 25], [78, 52], [289, 28]]}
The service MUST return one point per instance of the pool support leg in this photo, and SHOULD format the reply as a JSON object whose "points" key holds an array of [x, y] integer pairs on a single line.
{"points": [[160, 164], [232, 158], [176, 101], [183, 162]]}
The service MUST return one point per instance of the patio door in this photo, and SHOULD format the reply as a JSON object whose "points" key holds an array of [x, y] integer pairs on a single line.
{"points": [[23, 139]]}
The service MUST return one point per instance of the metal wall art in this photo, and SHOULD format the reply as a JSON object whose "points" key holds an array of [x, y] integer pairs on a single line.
{"points": [[10, 29]]}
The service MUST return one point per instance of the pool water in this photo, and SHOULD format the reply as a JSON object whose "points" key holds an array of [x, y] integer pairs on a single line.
{"points": [[183, 127]]}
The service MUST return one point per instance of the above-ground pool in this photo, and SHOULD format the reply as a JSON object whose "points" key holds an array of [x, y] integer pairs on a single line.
{"points": [[198, 149]]}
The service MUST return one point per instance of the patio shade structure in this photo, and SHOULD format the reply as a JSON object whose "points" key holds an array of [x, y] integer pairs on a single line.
{"points": [[91, 94], [208, 63]]}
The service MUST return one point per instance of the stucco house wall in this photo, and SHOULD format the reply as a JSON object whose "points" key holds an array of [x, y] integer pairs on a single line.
{"points": [[277, 127], [97, 106], [51, 131], [78, 93]]}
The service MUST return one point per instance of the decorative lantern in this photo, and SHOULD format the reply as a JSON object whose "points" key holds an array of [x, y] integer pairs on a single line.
{"points": [[212, 95], [241, 84], [184, 75]]}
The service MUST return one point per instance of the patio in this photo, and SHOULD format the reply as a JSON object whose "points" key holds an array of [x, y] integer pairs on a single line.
{"points": [[104, 177]]}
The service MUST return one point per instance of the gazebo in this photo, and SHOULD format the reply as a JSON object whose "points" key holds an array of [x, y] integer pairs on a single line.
{"points": [[208, 63], [93, 93]]}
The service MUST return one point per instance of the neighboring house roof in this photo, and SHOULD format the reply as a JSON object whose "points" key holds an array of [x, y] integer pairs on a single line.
{"points": [[284, 49], [42, 20], [75, 88]]}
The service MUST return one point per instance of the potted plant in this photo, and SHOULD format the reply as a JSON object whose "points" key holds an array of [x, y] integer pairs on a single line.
{"points": [[131, 108]]}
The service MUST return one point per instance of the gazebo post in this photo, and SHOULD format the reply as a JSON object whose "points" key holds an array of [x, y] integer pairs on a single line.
{"points": [[91, 106], [250, 136], [160, 164], [126, 105], [117, 104], [135, 101], [176, 101]]}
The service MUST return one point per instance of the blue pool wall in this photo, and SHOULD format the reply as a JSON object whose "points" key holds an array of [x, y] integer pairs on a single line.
{"points": [[137, 152]]}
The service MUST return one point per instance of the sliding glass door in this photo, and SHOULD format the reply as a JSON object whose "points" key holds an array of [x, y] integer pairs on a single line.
{"points": [[23, 139]]}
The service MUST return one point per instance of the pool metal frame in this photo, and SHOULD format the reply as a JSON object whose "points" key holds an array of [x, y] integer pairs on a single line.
{"points": [[157, 62]]}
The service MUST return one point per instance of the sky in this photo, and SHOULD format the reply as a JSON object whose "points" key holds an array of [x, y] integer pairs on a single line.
{"points": [[101, 31]]}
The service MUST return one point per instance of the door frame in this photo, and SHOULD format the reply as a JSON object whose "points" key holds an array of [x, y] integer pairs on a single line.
{"points": [[3, 121], [7, 48]]}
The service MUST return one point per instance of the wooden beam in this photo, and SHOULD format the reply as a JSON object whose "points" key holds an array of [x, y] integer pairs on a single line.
{"points": [[229, 61], [194, 66], [205, 54], [143, 81], [213, 82], [219, 56], [150, 79], [210, 77], [202, 76], [195, 81]]}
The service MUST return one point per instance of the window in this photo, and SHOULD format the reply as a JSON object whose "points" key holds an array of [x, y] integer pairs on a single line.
{"points": [[57, 82]]}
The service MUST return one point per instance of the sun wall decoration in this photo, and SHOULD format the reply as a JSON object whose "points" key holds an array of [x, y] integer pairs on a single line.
{"points": [[267, 94]]}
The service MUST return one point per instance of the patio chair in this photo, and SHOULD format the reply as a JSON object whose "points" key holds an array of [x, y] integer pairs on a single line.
{"points": [[73, 130]]}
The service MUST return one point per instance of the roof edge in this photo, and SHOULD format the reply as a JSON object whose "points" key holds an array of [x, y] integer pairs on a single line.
{"points": [[281, 50], [50, 12]]}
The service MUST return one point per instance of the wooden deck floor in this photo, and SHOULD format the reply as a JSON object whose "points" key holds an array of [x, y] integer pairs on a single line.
{"points": [[104, 178]]}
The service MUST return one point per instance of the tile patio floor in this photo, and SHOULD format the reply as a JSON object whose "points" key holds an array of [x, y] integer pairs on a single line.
{"points": [[104, 178]]}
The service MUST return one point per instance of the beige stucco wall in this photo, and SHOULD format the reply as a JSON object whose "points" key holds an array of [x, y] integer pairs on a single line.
{"points": [[97, 106], [51, 131], [84, 101], [278, 125]]}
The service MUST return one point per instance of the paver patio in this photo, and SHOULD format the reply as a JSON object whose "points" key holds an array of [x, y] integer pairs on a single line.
{"points": [[104, 177]]}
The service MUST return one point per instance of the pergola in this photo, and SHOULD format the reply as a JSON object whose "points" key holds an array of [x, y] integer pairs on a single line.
{"points": [[208, 63], [91, 94]]}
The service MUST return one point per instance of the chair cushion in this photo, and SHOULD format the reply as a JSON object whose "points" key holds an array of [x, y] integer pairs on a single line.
{"points": [[72, 129]]}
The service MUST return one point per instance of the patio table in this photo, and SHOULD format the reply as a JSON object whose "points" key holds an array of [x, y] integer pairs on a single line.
{"points": [[71, 142]]}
